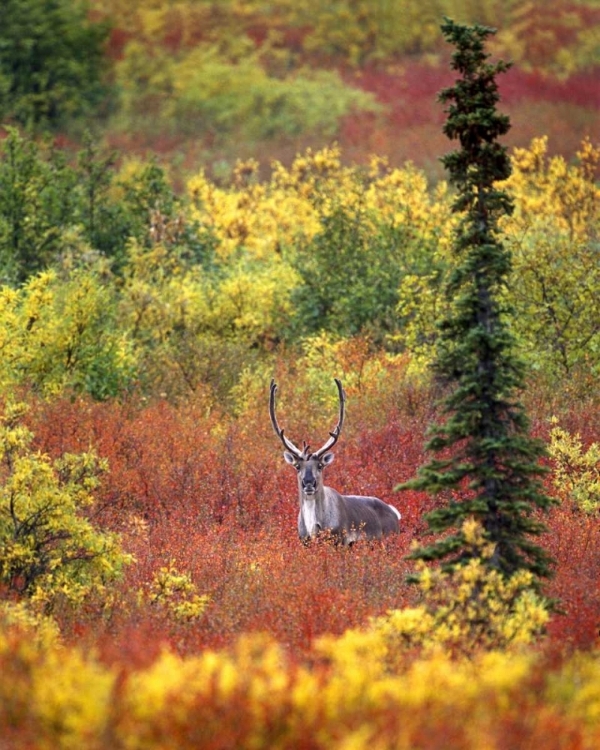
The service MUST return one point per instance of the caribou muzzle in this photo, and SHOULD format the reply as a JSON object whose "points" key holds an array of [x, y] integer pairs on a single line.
{"points": [[309, 488], [308, 480]]}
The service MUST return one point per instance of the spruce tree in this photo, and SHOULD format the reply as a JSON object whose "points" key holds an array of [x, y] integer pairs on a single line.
{"points": [[482, 450]]}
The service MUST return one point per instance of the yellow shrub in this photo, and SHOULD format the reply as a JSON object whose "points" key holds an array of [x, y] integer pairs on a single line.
{"points": [[576, 475], [552, 237], [71, 694], [49, 550], [576, 689], [58, 694], [255, 696], [176, 592], [473, 607], [175, 698]]}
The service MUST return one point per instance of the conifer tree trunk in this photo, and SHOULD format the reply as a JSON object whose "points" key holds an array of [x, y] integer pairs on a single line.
{"points": [[483, 452]]}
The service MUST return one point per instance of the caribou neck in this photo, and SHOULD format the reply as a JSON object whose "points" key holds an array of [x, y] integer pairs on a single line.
{"points": [[316, 509]]}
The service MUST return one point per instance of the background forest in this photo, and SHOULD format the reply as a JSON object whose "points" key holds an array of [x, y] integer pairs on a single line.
{"points": [[196, 197]]}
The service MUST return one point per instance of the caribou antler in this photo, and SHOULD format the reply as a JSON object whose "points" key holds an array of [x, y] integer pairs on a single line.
{"points": [[338, 428], [287, 444]]}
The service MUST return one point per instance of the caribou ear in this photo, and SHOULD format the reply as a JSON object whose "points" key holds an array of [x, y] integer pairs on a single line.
{"points": [[289, 458], [327, 459]]}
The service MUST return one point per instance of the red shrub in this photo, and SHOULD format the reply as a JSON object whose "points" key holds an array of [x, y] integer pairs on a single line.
{"points": [[213, 497], [574, 542], [580, 89]]}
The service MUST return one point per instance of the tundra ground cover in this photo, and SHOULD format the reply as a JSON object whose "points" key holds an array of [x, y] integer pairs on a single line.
{"points": [[225, 614]]}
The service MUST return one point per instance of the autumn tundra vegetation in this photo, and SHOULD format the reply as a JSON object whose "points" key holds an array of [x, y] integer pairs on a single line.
{"points": [[218, 197]]}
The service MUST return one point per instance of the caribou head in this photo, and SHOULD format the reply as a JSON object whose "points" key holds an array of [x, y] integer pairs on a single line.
{"points": [[346, 518]]}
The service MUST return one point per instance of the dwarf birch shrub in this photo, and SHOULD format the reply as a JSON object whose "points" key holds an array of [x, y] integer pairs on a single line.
{"points": [[41, 628], [51, 696], [48, 548], [576, 476], [60, 334], [255, 695], [175, 592], [555, 276], [469, 607]]}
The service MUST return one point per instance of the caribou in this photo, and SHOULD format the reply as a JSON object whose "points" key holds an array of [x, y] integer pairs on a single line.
{"points": [[324, 511]]}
